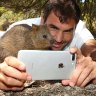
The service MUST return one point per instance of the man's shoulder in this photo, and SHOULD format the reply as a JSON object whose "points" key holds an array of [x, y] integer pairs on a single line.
{"points": [[29, 22], [81, 25]]}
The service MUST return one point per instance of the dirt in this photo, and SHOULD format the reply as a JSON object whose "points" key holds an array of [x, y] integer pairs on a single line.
{"points": [[52, 88]]}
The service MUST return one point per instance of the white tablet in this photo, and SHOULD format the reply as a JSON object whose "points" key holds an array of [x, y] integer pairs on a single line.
{"points": [[48, 65]]}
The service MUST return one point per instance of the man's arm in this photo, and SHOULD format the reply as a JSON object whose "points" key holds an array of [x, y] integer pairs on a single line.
{"points": [[85, 71], [89, 49]]}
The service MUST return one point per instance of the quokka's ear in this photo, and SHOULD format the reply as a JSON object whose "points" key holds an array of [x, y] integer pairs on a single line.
{"points": [[35, 27]]}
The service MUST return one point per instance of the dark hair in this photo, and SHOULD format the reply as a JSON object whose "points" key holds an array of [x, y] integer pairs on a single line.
{"points": [[64, 9]]}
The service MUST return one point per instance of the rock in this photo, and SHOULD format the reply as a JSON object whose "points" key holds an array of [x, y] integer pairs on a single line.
{"points": [[44, 88]]}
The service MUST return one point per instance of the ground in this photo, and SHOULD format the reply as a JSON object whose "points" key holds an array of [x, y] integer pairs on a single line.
{"points": [[51, 88]]}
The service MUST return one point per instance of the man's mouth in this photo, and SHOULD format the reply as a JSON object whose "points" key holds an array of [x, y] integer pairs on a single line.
{"points": [[59, 45]]}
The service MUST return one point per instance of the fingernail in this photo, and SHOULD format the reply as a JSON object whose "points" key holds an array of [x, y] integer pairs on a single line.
{"points": [[29, 77], [71, 84], [22, 67], [16, 88]]}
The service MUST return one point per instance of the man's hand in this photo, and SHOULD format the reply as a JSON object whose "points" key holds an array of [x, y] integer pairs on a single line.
{"points": [[12, 74], [84, 72]]}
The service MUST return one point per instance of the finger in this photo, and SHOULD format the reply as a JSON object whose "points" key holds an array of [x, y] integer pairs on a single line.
{"points": [[76, 73], [7, 88], [77, 52], [17, 88], [12, 72], [14, 62], [84, 75], [73, 50], [65, 82], [4, 87], [89, 78], [9, 81]]}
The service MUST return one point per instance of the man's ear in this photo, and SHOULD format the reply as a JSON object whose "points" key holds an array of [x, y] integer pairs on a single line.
{"points": [[42, 21]]}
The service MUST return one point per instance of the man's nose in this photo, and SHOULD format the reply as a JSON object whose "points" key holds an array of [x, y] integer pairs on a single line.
{"points": [[59, 36]]}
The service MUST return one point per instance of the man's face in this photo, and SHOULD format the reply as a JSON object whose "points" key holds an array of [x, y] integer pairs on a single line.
{"points": [[62, 32]]}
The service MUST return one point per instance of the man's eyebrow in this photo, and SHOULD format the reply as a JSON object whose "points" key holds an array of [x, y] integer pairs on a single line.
{"points": [[69, 30], [53, 26]]}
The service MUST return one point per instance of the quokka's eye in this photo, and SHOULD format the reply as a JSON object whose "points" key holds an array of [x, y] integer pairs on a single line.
{"points": [[45, 36]]}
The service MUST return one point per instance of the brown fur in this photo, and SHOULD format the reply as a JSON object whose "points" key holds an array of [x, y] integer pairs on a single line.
{"points": [[24, 36]]}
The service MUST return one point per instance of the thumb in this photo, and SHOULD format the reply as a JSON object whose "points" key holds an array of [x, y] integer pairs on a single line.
{"points": [[78, 53]]}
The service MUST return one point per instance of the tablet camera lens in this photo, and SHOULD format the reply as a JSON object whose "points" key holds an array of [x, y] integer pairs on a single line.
{"points": [[73, 57]]}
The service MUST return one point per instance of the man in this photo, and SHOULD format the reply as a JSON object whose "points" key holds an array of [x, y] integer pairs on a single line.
{"points": [[62, 18]]}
